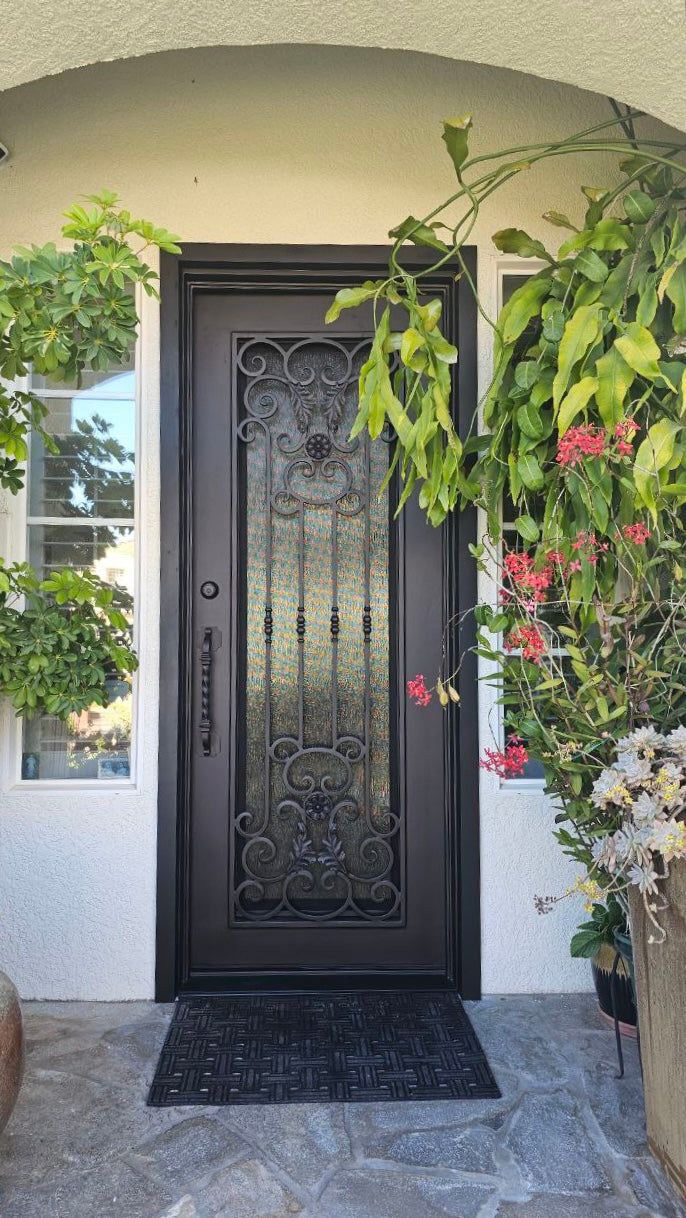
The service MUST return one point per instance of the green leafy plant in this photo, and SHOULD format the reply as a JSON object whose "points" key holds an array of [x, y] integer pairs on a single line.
{"points": [[62, 639], [62, 311], [583, 439], [604, 316], [605, 919]]}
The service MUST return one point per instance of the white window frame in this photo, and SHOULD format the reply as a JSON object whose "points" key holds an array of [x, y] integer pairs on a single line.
{"points": [[16, 546]]}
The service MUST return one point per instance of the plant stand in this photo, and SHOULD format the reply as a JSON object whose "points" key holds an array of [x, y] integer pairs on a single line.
{"points": [[660, 970]]}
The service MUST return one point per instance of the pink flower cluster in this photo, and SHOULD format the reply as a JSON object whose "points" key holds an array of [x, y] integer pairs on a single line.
{"points": [[580, 442], [529, 639], [588, 546], [529, 582], [588, 440], [638, 533], [416, 689], [508, 762]]}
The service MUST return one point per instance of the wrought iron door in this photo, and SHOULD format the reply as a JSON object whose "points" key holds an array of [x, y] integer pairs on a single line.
{"points": [[316, 831], [317, 799]]}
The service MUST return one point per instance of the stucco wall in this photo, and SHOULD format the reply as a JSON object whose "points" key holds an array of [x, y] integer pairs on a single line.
{"points": [[631, 49], [256, 145]]}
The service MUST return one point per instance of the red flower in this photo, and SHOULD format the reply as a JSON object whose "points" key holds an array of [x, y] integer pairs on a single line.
{"points": [[529, 639], [638, 533], [416, 689], [529, 582], [624, 434], [508, 762], [580, 442], [626, 429], [585, 540]]}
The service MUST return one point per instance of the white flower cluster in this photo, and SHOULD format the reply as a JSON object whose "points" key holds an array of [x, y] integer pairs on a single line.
{"points": [[647, 785]]}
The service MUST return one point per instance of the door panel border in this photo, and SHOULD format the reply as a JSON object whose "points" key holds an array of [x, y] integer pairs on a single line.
{"points": [[249, 268]]}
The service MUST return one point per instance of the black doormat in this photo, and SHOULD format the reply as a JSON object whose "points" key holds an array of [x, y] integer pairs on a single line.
{"points": [[315, 1048]]}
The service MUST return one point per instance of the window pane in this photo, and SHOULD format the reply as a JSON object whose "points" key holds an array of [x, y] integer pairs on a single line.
{"points": [[92, 473], [94, 745], [113, 383], [106, 551], [97, 743]]}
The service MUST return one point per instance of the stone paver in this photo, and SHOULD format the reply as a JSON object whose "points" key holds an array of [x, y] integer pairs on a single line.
{"points": [[565, 1141]]}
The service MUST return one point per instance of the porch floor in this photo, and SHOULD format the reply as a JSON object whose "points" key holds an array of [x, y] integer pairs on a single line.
{"points": [[567, 1139]]}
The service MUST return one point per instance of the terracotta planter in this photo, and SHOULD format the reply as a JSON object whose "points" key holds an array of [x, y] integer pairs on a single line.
{"points": [[660, 970], [11, 1048]]}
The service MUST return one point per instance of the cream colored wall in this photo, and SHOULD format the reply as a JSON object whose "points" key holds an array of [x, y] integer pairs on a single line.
{"points": [[270, 144], [632, 49]]}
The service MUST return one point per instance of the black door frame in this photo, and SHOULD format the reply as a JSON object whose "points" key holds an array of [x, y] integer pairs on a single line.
{"points": [[251, 267]]}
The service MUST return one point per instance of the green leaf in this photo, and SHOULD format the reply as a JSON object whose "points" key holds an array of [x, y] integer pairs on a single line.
{"points": [[559, 220], [639, 206], [574, 401], [553, 322], [350, 298], [647, 305], [516, 241], [608, 234], [614, 381], [524, 303], [527, 528], [413, 342], [420, 234], [664, 281], [653, 455], [591, 266], [586, 944], [526, 374], [638, 347], [530, 471], [530, 421], [581, 332], [456, 138], [676, 292]]}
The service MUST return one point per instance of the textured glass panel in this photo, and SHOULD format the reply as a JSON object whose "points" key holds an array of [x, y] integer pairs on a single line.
{"points": [[315, 835], [92, 473]]}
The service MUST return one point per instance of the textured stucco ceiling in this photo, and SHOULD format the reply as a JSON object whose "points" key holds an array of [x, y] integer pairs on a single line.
{"points": [[634, 50]]}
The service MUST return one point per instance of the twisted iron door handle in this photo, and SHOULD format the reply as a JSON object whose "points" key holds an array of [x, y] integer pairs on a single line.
{"points": [[205, 687]]}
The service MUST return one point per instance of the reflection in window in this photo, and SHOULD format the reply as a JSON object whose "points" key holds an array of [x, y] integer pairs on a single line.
{"points": [[81, 514]]}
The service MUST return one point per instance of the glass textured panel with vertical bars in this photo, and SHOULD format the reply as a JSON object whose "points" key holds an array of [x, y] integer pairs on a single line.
{"points": [[316, 836], [81, 515]]}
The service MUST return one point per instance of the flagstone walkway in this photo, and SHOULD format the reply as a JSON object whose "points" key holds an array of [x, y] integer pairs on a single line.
{"points": [[566, 1140]]}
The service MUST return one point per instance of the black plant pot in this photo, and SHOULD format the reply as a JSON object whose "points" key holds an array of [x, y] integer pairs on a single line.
{"points": [[625, 1005]]}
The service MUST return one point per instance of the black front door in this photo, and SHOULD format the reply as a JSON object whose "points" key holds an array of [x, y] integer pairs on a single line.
{"points": [[319, 817]]}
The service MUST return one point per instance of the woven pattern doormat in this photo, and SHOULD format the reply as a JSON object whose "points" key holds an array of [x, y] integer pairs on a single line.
{"points": [[315, 1048]]}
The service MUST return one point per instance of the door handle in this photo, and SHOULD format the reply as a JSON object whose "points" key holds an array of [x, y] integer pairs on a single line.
{"points": [[205, 692]]}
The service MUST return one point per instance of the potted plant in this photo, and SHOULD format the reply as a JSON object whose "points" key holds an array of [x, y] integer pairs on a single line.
{"points": [[595, 941], [63, 637], [583, 433]]}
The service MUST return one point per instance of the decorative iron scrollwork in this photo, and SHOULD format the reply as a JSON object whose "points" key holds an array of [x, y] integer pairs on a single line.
{"points": [[315, 836]]}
